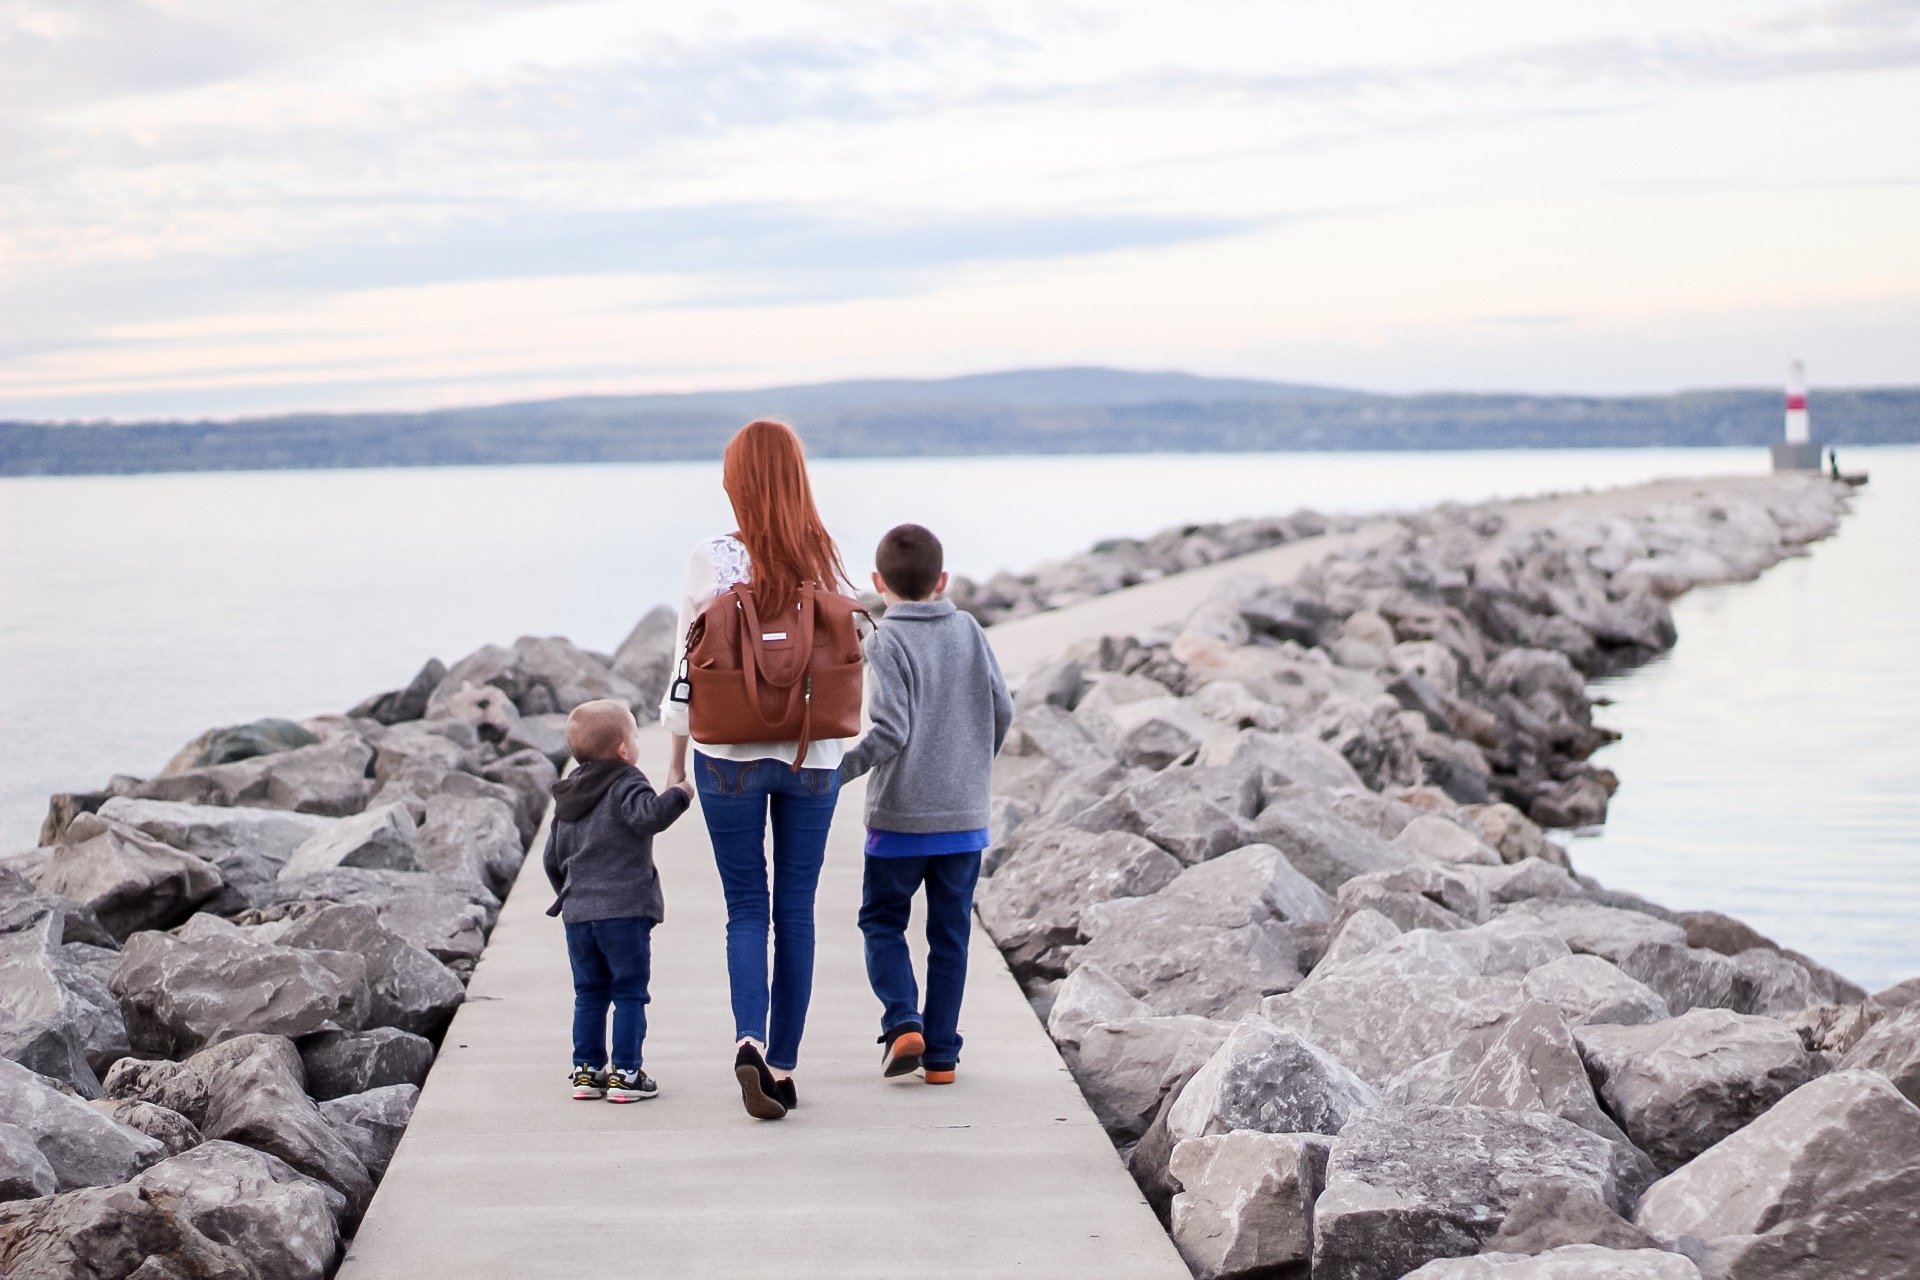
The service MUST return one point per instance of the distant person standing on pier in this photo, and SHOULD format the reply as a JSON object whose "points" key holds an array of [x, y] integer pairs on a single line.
{"points": [[756, 601]]}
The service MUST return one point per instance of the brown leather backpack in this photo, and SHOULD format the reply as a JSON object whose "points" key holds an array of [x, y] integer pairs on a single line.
{"points": [[795, 676]]}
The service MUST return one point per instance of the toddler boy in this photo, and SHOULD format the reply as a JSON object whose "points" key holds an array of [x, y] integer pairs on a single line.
{"points": [[599, 858], [940, 711]]}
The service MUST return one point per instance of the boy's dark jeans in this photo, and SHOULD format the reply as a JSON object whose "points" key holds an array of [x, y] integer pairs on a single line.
{"points": [[885, 907], [612, 962]]}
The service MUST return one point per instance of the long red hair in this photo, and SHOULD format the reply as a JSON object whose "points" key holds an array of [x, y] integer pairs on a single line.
{"points": [[764, 472]]}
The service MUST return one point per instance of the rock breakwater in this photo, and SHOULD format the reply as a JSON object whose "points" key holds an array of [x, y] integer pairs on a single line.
{"points": [[1278, 879], [221, 987]]}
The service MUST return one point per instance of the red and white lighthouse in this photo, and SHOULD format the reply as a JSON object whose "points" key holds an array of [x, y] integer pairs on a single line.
{"points": [[1799, 451]]}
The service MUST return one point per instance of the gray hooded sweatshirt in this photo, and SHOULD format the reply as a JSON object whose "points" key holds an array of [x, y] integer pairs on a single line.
{"points": [[940, 711]]}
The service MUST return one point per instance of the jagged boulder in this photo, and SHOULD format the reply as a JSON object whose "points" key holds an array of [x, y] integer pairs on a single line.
{"points": [[406, 987], [1680, 1086], [56, 1014], [530, 776], [338, 1063], [409, 703], [1891, 1048], [1407, 1185], [1245, 1208], [173, 1131], [542, 674], [447, 920], [645, 658], [328, 778], [282, 1221], [238, 742], [1088, 996], [24, 907], [25, 1174], [1322, 845], [1825, 1186], [129, 880], [247, 846], [1435, 839], [1268, 1079], [1490, 950], [382, 839], [82, 1147], [1386, 1026], [371, 1123], [471, 838], [111, 1233], [1587, 989], [1549, 1218], [1033, 902], [1126, 1067], [1571, 1262], [251, 1090], [180, 994]]}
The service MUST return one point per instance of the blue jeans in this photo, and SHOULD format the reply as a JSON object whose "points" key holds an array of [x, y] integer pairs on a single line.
{"points": [[612, 962], [886, 901], [738, 798]]}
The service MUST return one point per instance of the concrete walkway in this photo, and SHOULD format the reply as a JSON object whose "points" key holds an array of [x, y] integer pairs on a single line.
{"points": [[1006, 1173]]}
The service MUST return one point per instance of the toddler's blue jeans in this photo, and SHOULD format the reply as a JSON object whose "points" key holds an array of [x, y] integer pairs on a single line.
{"points": [[612, 962]]}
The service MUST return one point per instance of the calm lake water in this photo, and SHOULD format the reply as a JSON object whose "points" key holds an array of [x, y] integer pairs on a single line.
{"points": [[136, 611]]}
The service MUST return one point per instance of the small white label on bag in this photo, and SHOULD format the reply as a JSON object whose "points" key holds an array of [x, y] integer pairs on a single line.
{"points": [[773, 635]]}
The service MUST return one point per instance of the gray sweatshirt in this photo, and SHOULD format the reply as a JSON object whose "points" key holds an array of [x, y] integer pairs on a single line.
{"points": [[940, 711]]}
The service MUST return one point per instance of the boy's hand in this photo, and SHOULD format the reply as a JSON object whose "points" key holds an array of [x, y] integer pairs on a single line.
{"points": [[681, 785]]}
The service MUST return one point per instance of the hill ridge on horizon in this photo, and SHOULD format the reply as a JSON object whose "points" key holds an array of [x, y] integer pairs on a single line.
{"points": [[1063, 409]]}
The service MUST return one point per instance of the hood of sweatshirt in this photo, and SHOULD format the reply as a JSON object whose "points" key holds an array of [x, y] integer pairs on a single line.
{"points": [[576, 795], [921, 610]]}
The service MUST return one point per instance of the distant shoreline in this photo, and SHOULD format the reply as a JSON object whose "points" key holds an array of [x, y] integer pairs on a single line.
{"points": [[1025, 413]]}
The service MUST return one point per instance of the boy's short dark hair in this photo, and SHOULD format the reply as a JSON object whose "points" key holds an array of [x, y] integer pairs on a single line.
{"points": [[910, 560]]}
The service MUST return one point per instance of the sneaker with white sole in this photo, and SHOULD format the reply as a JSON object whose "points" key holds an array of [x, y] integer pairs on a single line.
{"points": [[588, 1082], [630, 1086]]}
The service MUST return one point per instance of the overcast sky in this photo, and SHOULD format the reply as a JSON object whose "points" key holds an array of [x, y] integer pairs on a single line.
{"points": [[230, 206]]}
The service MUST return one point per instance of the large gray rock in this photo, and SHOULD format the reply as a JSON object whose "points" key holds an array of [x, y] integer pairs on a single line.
{"points": [[125, 1232], [1549, 1218], [278, 1218], [406, 987], [182, 994], [645, 657], [338, 1063], [1126, 1067], [1326, 848], [542, 674], [25, 1174], [371, 1123], [471, 838], [174, 1131], [446, 919], [546, 734], [1891, 1048], [328, 778], [56, 1014], [1268, 1079], [1437, 840], [1570, 1262], [238, 742], [1211, 943], [251, 1090], [23, 906], [1490, 950], [1407, 1185], [247, 846], [1594, 929], [83, 1147], [1033, 902], [1680, 1086], [1825, 1186], [409, 703], [382, 839], [530, 776], [130, 880], [1089, 995], [1532, 1064], [1286, 760], [1587, 989], [1246, 1205], [1388, 1026]]}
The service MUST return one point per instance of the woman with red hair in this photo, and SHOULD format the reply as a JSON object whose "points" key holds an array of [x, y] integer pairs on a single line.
{"points": [[779, 547]]}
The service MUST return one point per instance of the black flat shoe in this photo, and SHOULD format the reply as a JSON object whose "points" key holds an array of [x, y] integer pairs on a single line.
{"points": [[788, 1095], [904, 1046], [758, 1089]]}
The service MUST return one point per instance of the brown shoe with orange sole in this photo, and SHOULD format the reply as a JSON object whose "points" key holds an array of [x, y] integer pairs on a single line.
{"points": [[904, 1047]]}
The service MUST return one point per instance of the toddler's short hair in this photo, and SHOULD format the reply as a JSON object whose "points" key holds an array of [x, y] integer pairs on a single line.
{"points": [[910, 560], [596, 729]]}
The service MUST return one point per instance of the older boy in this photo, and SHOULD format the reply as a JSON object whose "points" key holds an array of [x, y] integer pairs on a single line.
{"points": [[599, 858], [940, 711]]}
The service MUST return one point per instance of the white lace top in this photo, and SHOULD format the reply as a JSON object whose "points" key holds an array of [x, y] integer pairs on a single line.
{"points": [[715, 565]]}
